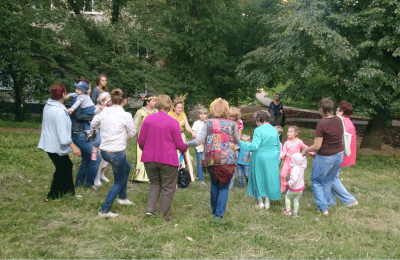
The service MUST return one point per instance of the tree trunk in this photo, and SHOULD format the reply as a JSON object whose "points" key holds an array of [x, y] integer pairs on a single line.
{"points": [[115, 11], [17, 101], [374, 133]]}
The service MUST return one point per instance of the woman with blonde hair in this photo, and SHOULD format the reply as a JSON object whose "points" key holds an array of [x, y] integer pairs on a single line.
{"points": [[177, 112], [220, 136]]}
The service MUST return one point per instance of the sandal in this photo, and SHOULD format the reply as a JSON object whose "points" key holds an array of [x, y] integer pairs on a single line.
{"points": [[46, 200]]}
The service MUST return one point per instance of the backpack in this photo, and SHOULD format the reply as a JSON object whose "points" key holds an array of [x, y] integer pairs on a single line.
{"points": [[183, 174]]}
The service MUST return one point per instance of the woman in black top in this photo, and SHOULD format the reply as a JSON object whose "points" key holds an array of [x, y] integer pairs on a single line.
{"points": [[276, 109]]}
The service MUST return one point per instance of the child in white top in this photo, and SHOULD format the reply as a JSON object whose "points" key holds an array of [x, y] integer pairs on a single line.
{"points": [[197, 126], [296, 183], [291, 146]]}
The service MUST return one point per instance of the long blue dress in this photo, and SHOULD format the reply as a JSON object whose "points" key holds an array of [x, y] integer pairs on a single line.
{"points": [[264, 165]]}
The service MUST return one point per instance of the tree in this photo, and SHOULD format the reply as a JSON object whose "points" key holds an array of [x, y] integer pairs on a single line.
{"points": [[197, 45], [343, 49], [27, 49]]}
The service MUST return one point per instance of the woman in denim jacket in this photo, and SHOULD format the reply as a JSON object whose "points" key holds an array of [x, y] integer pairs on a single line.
{"points": [[55, 139]]}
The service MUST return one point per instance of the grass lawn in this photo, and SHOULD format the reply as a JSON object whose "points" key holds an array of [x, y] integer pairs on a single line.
{"points": [[69, 227]]}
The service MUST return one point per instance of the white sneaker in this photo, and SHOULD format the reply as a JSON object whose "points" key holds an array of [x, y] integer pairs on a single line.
{"points": [[352, 204], [108, 215], [78, 196], [260, 205], [97, 184], [104, 178], [125, 202], [267, 205]]}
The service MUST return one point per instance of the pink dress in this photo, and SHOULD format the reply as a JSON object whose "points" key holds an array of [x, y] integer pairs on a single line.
{"points": [[349, 127], [289, 148]]}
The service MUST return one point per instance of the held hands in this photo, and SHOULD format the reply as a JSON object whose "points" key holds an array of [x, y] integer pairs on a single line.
{"points": [[70, 111]]}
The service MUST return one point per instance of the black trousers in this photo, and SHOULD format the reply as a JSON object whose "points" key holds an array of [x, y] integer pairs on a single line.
{"points": [[62, 182]]}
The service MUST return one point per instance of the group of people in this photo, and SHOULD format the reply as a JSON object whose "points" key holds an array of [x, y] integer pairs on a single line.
{"points": [[97, 129]]}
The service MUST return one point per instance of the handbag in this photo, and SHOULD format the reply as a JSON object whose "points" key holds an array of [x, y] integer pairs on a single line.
{"points": [[183, 174], [346, 140]]}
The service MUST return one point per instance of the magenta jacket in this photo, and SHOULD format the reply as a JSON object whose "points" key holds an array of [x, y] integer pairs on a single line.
{"points": [[159, 138]]}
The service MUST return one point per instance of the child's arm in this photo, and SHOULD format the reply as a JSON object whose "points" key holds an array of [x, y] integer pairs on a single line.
{"points": [[303, 146], [294, 176], [283, 151]]}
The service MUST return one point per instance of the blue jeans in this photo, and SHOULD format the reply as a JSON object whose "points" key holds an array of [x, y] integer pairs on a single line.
{"points": [[325, 171], [121, 169], [88, 168], [199, 156], [338, 190], [86, 112], [243, 170], [97, 141], [219, 197]]}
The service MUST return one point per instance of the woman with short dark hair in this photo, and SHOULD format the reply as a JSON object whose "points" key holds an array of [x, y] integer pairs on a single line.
{"points": [[344, 110], [276, 110], [55, 139], [264, 178], [116, 127], [328, 144]]}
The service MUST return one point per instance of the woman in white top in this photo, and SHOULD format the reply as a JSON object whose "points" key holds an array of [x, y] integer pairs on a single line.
{"points": [[116, 127]]}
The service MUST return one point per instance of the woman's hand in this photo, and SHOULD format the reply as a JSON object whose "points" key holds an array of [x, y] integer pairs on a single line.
{"points": [[75, 149], [303, 153]]}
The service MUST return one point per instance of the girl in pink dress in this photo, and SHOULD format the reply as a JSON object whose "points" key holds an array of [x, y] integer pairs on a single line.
{"points": [[291, 146]]}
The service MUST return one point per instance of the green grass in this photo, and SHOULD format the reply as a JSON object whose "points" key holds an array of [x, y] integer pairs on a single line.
{"points": [[69, 227], [29, 125]]}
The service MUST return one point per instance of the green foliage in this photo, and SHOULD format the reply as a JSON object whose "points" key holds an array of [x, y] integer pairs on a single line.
{"points": [[342, 49]]}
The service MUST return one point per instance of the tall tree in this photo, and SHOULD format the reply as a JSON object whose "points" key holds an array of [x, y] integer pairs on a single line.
{"points": [[343, 49], [197, 45], [27, 48]]}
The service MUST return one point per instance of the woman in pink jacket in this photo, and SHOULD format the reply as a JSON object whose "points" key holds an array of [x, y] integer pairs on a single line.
{"points": [[159, 138], [344, 110]]}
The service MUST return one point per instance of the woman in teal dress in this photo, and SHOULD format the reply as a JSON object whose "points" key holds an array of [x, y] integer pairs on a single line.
{"points": [[264, 164]]}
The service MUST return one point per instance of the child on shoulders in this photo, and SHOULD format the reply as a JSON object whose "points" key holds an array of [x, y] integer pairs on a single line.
{"points": [[296, 183], [291, 146]]}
